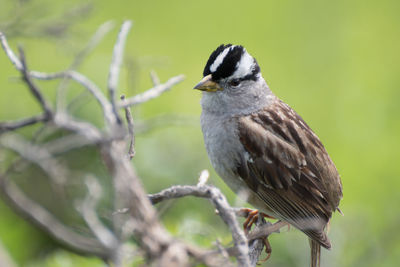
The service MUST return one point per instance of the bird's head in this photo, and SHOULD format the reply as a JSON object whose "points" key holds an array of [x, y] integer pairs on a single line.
{"points": [[232, 79]]}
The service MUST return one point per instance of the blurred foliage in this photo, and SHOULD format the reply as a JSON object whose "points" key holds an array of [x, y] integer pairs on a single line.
{"points": [[335, 62]]}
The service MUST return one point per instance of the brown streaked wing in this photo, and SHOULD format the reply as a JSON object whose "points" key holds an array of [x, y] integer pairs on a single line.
{"points": [[285, 170]]}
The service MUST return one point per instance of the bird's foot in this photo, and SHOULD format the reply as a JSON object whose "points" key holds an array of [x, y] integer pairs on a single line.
{"points": [[268, 250], [251, 218]]}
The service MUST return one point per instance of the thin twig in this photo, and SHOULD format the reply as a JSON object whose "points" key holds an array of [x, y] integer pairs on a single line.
{"points": [[78, 59], [203, 177], [14, 125], [67, 143], [37, 155], [97, 37], [33, 88], [131, 130], [74, 75], [115, 65], [151, 93], [88, 211], [83, 128], [10, 54], [266, 230], [95, 91], [154, 78]]}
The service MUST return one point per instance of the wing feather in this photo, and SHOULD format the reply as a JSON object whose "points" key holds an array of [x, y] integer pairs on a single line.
{"points": [[289, 169]]}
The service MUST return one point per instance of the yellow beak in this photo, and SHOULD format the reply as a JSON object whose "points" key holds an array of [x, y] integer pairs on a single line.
{"points": [[208, 85]]}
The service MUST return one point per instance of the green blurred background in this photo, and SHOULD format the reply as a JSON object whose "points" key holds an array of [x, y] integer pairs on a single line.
{"points": [[335, 62]]}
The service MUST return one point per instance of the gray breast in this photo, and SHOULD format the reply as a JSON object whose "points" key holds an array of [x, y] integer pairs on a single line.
{"points": [[225, 151], [223, 147]]}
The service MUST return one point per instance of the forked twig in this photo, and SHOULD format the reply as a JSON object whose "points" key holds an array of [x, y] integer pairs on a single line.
{"points": [[115, 65], [139, 217]]}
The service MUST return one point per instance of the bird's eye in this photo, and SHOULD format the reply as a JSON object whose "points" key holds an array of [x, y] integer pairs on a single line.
{"points": [[234, 82]]}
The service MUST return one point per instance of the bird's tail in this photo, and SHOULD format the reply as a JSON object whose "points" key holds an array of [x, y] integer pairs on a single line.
{"points": [[315, 253]]}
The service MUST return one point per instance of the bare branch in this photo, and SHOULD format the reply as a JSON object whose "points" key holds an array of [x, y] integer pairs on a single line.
{"points": [[97, 37], [222, 206], [262, 230], [95, 91], [154, 78], [256, 246], [131, 130], [10, 54], [178, 191], [14, 125], [151, 93], [93, 42], [88, 211], [36, 155], [5, 258], [85, 129], [115, 65], [129, 193], [266, 230], [41, 217], [76, 76], [136, 216], [68, 143], [34, 90], [203, 178]]}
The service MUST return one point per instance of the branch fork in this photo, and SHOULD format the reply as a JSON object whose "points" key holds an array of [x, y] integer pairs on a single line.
{"points": [[135, 214]]}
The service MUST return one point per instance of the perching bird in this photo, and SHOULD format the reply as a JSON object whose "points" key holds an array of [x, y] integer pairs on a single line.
{"points": [[260, 145]]}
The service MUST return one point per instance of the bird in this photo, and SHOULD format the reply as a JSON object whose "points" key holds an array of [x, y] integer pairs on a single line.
{"points": [[259, 145]]}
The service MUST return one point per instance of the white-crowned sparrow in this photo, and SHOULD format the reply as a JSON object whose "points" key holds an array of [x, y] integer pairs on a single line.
{"points": [[258, 144]]}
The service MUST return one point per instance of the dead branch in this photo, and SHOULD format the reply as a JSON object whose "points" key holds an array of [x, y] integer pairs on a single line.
{"points": [[35, 213], [88, 210], [262, 230], [5, 258], [136, 216], [154, 78], [115, 65], [152, 92], [220, 203], [33, 88], [97, 37], [266, 230], [82, 128], [74, 75], [14, 125], [79, 58], [67, 143], [37, 155]]}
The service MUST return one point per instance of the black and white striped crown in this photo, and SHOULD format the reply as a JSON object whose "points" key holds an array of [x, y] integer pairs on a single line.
{"points": [[231, 61]]}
